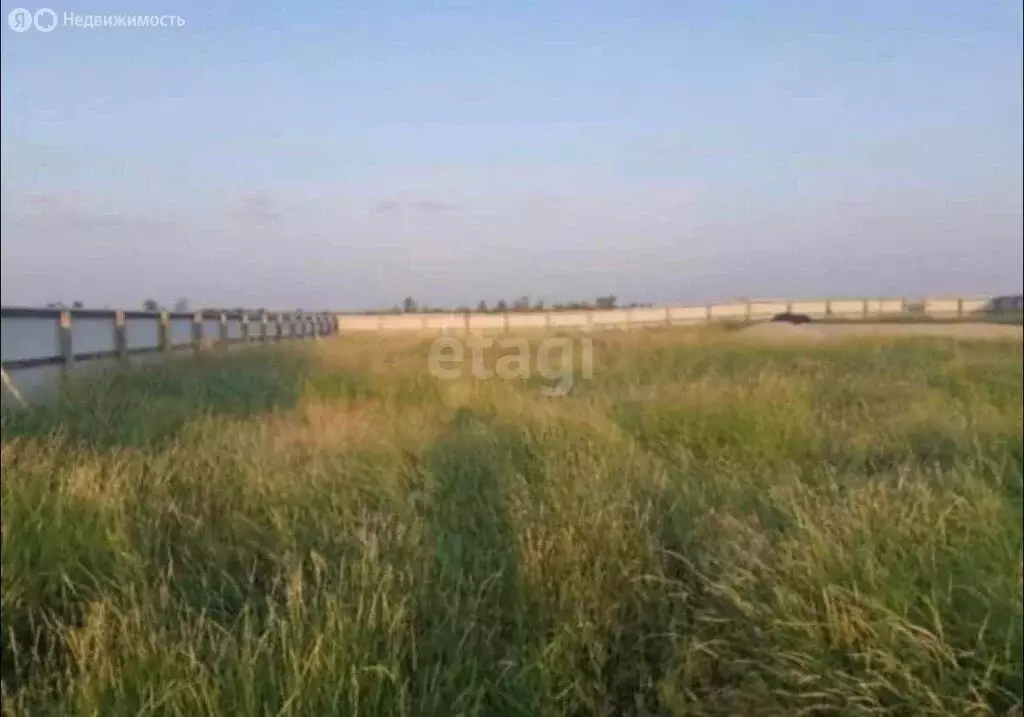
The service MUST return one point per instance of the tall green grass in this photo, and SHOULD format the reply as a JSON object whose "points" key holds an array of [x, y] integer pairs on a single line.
{"points": [[703, 528]]}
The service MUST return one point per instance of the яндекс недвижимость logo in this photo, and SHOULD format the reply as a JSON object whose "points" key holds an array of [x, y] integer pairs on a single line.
{"points": [[46, 20], [22, 20]]}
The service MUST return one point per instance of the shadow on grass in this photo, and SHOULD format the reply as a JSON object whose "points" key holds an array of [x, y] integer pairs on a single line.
{"points": [[481, 639], [149, 405], [470, 611]]}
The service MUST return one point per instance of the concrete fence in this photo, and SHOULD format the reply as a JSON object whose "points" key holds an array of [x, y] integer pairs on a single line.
{"points": [[38, 345], [743, 311], [38, 337]]}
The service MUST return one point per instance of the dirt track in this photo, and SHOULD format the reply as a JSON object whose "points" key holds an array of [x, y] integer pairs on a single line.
{"points": [[821, 332]]}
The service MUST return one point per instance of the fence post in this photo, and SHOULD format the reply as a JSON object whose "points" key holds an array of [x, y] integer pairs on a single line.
{"points": [[864, 309], [547, 321], [504, 322], [243, 324], [197, 331], [278, 326], [120, 336], [828, 307], [263, 327], [590, 320], [959, 308], [668, 317], [163, 331], [465, 322], [707, 312], [67, 351], [747, 311], [222, 333]]}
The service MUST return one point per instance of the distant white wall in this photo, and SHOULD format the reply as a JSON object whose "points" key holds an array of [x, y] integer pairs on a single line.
{"points": [[647, 317], [729, 311], [359, 323], [754, 310], [845, 308], [942, 307], [814, 309], [765, 309], [569, 319], [688, 314], [486, 322]]}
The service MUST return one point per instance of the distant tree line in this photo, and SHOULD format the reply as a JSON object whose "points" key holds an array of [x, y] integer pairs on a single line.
{"points": [[410, 306], [181, 306], [520, 305]]}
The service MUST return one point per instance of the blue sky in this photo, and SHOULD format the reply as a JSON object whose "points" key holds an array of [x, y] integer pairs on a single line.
{"points": [[345, 155]]}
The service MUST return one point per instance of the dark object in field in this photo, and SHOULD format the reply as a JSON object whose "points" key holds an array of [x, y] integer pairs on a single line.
{"points": [[790, 317]]}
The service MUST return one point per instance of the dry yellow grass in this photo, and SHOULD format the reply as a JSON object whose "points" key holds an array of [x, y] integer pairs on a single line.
{"points": [[703, 528]]}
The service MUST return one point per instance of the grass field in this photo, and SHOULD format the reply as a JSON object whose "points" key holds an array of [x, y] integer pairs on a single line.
{"points": [[705, 527]]}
